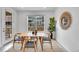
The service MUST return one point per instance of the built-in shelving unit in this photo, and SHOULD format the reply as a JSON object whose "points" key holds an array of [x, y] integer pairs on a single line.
{"points": [[8, 24]]}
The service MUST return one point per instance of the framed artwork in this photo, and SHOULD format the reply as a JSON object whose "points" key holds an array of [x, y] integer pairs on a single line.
{"points": [[65, 20]]}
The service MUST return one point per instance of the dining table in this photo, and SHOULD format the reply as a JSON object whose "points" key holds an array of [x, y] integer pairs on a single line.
{"points": [[26, 37]]}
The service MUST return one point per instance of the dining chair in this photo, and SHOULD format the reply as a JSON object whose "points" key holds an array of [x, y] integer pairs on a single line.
{"points": [[18, 39], [31, 43], [46, 39]]}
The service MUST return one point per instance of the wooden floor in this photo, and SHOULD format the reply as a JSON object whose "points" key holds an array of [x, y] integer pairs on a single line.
{"points": [[47, 48]]}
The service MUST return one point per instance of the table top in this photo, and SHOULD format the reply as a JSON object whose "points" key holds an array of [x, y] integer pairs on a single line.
{"points": [[38, 34], [30, 34]]}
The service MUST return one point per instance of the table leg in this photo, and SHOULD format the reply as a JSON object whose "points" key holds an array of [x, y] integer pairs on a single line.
{"points": [[41, 42], [21, 45]]}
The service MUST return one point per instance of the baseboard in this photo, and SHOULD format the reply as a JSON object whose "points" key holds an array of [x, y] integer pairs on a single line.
{"points": [[2, 49], [7, 43]]}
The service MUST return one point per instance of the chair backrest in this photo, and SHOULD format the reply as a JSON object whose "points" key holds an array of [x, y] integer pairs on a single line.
{"points": [[49, 35], [33, 38], [17, 37], [47, 38]]}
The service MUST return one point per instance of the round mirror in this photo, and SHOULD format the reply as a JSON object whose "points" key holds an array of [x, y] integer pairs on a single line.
{"points": [[65, 20]]}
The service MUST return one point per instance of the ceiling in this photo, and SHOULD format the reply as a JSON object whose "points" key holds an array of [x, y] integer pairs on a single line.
{"points": [[35, 8]]}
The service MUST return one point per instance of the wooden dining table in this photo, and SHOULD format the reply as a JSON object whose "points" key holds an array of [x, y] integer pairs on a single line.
{"points": [[26, 37]]}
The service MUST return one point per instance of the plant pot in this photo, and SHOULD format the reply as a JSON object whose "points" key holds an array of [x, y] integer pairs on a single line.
{"points": [[51, 35], [54, 35]]}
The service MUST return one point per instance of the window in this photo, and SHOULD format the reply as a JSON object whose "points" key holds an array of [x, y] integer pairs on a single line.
{"points": [[36, 23]]}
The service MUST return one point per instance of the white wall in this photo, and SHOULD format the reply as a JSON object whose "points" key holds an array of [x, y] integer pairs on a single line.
{"points": [[69, 39], [14, 21], [0, 28], [22, 19]]}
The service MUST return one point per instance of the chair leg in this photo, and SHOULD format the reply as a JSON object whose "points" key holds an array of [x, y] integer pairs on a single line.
{"points": [[35, 46], [51, 44], [24, 49], [34, 49], [41, 42], [21, 46], [42, 46], [13, 43]]}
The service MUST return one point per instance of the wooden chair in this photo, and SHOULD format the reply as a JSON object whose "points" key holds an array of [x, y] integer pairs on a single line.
{"points": [[31, 43], [46, 39], [18, 39]]}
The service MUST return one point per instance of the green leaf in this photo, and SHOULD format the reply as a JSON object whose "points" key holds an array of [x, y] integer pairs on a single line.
{"points": [[52, 24]]}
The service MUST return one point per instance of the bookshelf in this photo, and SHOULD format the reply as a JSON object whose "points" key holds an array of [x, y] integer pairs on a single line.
{"points": [[8, 25]]}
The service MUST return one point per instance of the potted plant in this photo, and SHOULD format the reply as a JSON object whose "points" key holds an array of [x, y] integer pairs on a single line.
{"points": [[52, 26]]}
